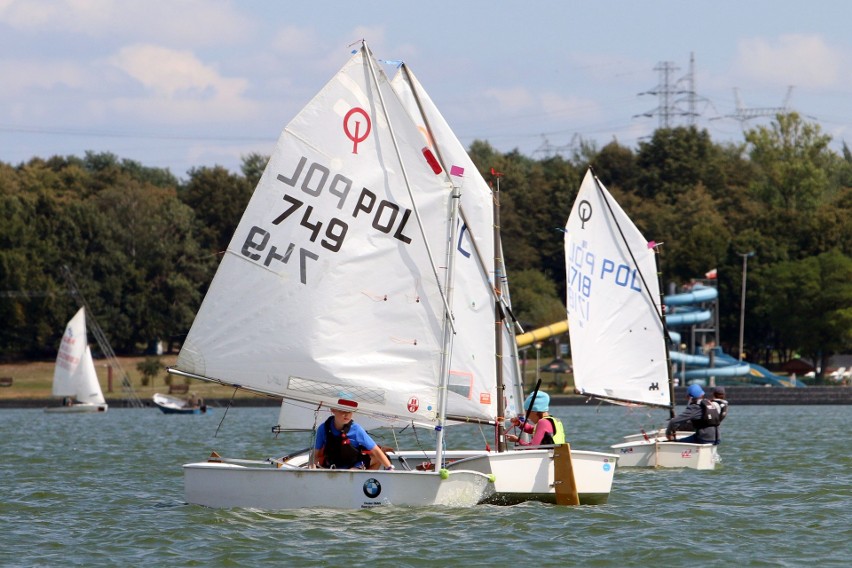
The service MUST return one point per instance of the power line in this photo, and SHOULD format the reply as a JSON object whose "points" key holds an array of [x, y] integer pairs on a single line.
{"points": [[674, 94]]}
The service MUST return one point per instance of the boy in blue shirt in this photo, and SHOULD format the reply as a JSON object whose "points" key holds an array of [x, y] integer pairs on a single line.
{"points": [[343, 444]]}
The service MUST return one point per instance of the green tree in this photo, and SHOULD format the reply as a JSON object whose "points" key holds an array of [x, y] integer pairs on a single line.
{"points": [[792, 159], [534, 299], [218, 198], [808, 303], [676, 160], [252, 168]]}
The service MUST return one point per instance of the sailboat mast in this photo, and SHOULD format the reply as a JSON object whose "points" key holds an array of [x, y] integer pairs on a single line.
{"points": [[666, 337], [499, 316], [448, 325], [449, 330]]}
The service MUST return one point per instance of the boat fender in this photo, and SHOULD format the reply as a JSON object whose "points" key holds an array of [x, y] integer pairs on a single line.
{"points": [[444, 473], [491, 478]]}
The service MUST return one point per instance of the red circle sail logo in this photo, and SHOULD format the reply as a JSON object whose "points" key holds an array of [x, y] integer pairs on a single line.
{"points": [[352, 127], [413, 404]]}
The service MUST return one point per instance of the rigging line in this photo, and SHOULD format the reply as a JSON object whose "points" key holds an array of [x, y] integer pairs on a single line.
{"points": [[224, 414], [369, 58]]}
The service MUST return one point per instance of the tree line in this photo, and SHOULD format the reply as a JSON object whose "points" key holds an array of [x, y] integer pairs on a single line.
{"points": [[143, 245]]}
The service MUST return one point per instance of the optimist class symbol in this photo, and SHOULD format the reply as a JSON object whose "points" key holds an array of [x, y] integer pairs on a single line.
{"points": [[356, 137], [413, 404], [585, 212]]}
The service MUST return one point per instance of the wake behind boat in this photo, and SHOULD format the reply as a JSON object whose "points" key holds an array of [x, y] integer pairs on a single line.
{"points": [[75, 378], [617, 326]]}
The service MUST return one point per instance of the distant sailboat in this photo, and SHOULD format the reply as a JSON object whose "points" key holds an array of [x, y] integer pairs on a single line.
{"points": [[74, 376], [616, 324]]}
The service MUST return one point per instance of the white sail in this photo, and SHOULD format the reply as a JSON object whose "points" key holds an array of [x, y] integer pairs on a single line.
{"points": [[512, 376], [329, 288], [473, 385], [69, 359], [88, 387], [617, 339]]}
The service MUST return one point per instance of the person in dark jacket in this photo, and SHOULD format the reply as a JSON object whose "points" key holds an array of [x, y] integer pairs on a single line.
{"points": [[702, 414], [720, 399]]}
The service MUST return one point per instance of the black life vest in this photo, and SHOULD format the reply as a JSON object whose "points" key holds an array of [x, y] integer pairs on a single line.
{"points": [[339, 451], [710, 415]]}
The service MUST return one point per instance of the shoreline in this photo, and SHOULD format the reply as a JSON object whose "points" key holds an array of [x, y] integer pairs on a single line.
{"points": [[739, 396]]}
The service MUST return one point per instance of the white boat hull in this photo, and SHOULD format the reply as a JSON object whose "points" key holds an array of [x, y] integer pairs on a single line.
{"points": [[173, 405], [77, 408], [528, 475], [270, 488], [658, 434], [662, 454]]}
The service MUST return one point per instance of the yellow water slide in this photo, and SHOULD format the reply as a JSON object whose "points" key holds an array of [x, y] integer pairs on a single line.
{"points": [[542, 333]]}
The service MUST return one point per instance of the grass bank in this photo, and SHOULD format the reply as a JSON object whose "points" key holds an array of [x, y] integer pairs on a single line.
{"points": [[34, 380]]}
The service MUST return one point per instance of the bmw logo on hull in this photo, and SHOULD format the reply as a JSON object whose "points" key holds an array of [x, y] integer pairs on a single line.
{"points": [[372, 488]]}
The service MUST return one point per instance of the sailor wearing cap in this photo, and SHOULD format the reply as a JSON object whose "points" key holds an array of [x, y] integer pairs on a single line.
{"points": [[547, 430], [343, 444], [701, 414]]}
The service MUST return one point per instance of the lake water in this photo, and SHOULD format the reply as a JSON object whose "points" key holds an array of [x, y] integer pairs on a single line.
{"points": [[107, 490]]}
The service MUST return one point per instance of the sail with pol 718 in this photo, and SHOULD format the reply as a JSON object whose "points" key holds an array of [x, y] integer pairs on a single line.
{"points": [[617, 326], [618, 345]]}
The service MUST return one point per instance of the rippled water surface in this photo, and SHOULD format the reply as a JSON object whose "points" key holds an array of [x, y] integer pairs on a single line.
{"points": [[107, 490]]}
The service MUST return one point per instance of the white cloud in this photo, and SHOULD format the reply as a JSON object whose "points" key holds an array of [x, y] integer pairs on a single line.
{"points": [[795, 59], [569, 107], [188, 22], [293, 40], [175, 73], [21, 75], [512, 99], [180, 87]]}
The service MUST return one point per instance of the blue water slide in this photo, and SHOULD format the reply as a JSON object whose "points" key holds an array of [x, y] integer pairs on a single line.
{"points": [[682, 309], [701, 369], [758, 374], [726, 371], [690, 317], [697, 295]]}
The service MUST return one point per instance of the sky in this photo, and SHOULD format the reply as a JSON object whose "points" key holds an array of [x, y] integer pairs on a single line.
{"points": [[181, 84]]}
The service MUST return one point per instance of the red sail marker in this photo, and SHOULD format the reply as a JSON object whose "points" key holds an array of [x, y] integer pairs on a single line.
{"points": [[432, 161], [356, 136]]}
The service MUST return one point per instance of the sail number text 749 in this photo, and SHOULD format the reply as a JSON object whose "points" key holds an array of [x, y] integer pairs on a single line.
{"points": [[306, 209]]}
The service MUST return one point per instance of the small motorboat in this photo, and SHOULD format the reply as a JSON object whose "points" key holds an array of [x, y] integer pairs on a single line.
{"points": [[174, 405]]}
